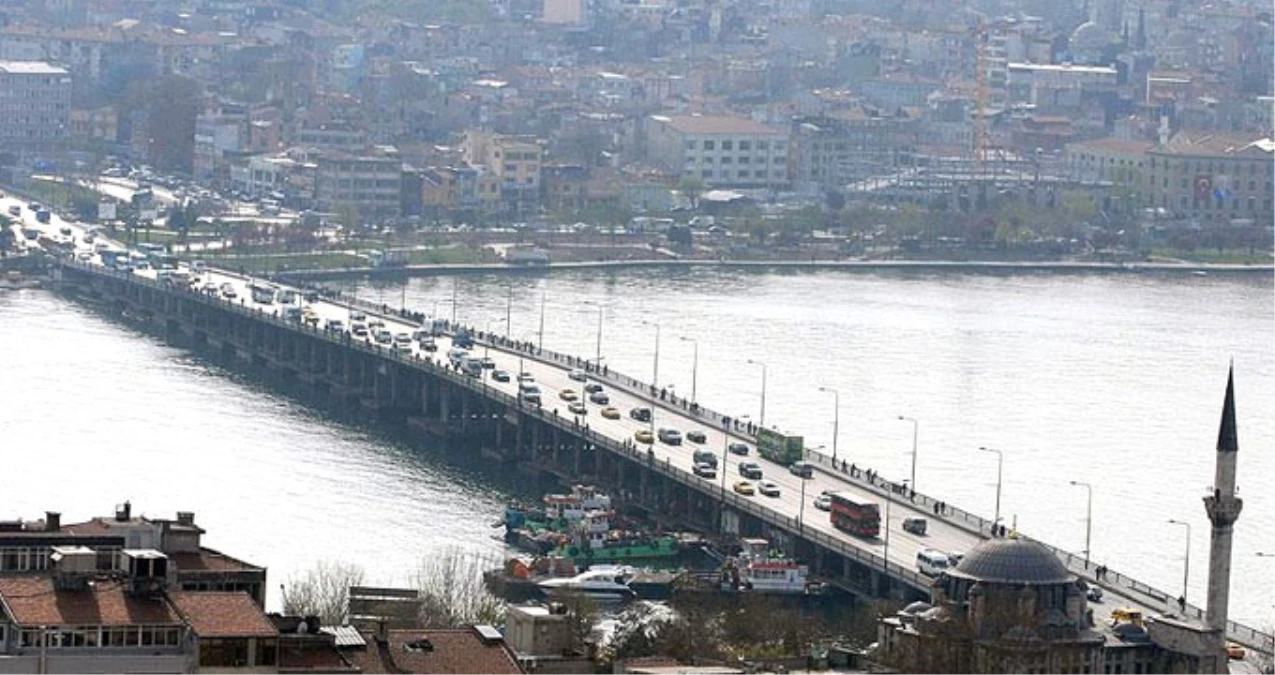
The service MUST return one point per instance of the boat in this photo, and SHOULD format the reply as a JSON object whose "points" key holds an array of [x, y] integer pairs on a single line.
{"points": [[581, 526], [758, 569], [605, 582], [593, 540]]}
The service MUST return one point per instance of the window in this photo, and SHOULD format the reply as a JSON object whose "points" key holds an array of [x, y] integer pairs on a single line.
{"points": [[743, 160], [763, 145], [706, 173], [728, 145], [690, 145], [744, 146], [743, 173], [727, 160], [709, 145]]}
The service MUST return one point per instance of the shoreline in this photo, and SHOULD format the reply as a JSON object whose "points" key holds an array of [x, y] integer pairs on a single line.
{"points": [[873, 265]]}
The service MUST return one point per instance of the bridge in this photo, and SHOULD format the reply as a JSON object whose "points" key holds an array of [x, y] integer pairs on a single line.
{"points": [[421, 388]]}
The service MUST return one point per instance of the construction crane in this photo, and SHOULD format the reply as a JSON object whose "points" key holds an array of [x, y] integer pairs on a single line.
{"points": [[980, 99]]}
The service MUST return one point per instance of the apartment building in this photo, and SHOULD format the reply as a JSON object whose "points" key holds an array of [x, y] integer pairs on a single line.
{"points": [[721, 151], [514, 161], [35, 102], [371, 182]]}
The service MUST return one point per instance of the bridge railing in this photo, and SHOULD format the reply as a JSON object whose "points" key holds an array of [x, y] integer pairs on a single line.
{"points": [[1237, 632]]}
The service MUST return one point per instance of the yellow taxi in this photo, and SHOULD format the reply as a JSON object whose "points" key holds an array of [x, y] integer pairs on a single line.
{"points": [[644, 436], [611, 413], [568, 395], [743, 487]]}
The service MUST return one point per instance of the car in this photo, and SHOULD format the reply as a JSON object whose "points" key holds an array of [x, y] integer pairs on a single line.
{"points": [[823, 502], [592, 387], [526, 377], [375, 323], [228, 292], [1093, 594], [768, 488], [670, 436], [428, 344], [600, 397], [641, 414], [577, 375], [750, 470], [500, 375], [382, 336], [568, 395], [696, 436], [915, 526], [743, 487], [333, 326], [1235, 651], [357, 316], [956, 557], [488, 363], [210, 287], [804, 469], [359, 330], [611, 413], [644, 436], [737, 448], [577, 408], [402, 342], [705, 470]]}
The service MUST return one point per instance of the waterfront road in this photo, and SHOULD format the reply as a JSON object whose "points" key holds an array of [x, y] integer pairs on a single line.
{"points": [[954, 532]]}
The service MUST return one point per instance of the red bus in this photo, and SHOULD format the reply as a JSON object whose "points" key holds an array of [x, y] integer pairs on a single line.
{"points": [[862, 519]]}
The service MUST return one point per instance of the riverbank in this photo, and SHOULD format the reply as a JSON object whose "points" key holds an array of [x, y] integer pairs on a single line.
{"points": [[864, 265]]}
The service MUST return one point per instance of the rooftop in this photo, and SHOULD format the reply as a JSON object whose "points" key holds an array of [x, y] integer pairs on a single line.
{"points": [[223, 615], [31, 68], [206, 559], [34, 601], [1013, 560], [1216, 144], [717, 124], [433, 651]]}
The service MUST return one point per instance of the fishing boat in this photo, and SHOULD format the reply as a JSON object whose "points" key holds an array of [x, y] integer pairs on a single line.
{"points": [[581, 526], [594, 540], [761, 570]]}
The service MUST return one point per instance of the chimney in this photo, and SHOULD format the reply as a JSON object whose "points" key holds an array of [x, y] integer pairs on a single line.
{"points": [[124, 512], [52, 521], [185, 518]]}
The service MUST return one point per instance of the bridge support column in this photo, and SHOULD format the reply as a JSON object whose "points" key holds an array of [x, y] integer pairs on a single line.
{"points": [[443, 403], [575, 463]]}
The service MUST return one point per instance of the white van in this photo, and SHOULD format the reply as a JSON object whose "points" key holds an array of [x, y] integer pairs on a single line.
{"points": [[932, 562]]}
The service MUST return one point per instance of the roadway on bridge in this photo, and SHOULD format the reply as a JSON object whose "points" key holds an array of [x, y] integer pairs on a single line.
{"points": [[943, 534]]}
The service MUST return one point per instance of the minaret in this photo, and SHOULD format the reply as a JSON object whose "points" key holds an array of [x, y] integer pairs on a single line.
{"points": [[1223, 509]]}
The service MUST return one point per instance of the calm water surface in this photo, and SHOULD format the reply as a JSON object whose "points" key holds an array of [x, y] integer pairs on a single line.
{"points": [[1116, 380]]}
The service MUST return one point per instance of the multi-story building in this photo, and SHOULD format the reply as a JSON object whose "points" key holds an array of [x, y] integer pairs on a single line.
{"points": [[849, 145], [371, 182], [515, 161], [1212, 176], [720, 151], [1113, 160], [1051, 86], [35, 102]]}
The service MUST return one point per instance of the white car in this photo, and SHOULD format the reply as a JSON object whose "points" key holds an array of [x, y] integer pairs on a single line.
{"points": [[577, 375], [823, 502], [768, 488]]}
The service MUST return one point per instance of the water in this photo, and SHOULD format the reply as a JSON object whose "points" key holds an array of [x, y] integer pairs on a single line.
{"points": [[1116, 380]]}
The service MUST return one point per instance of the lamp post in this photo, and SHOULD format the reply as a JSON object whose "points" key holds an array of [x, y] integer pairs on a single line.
{"points": [[487, 342], [836, 420], [916, 428], [655, 374], [1000, 465], [1088, 518], [694, 365], [1186, 559], [453, 303], [889, 500], [540, 340], [509, 310], [598, 353], [761, 420]]}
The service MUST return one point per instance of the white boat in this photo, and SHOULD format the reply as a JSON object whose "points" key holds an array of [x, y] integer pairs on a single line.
{"points": [[602, 582]]}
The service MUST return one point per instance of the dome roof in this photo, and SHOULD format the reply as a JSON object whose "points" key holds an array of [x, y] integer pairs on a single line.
{"points": [[1013, 561]]}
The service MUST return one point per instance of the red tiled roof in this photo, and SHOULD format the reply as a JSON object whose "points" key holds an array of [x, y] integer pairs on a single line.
{"points": [[206, 559], [218, 615], [33, 601], [454, 651]]}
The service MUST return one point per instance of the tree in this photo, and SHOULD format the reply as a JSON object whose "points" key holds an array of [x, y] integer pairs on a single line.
{"points": [[692, 187], [453, 592], [323, 591]]}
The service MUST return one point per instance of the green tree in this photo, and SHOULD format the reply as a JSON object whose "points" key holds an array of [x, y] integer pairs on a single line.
{"points": [[692, 187]]}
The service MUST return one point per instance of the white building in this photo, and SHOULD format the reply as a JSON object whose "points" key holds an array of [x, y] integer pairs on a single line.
{"points": [[569, 12], [721, 151], [35, 102]]}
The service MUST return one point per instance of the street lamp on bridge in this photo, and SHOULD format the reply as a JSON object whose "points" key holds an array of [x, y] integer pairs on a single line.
{"points": [[1186, 559], [836, 419], [1088, 518], [694, 365], [1000, 465], [761, 420], [916, 427]]}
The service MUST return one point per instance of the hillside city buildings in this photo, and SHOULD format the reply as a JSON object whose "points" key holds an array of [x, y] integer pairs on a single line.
{"points": [[524, 110]]}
